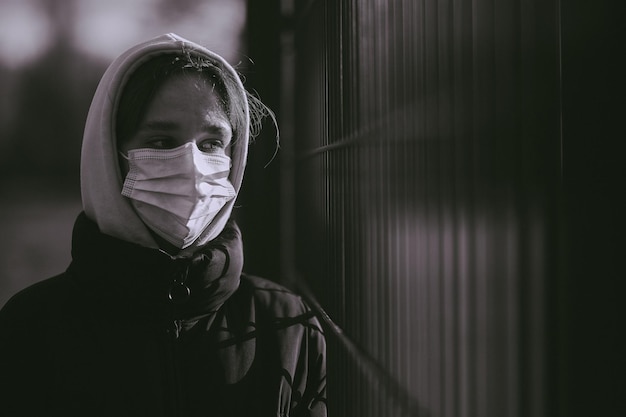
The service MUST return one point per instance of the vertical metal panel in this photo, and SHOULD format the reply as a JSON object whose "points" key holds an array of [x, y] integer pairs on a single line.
{"points": [[424, 179]]}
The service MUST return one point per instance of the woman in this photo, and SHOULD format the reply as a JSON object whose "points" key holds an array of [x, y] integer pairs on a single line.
{"points": [[154, 315]]}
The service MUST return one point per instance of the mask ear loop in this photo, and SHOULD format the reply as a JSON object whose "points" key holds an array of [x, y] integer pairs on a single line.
{"points": [[124, 177]]}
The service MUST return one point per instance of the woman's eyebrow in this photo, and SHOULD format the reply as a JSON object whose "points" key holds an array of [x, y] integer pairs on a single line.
{"points": [[168, 125], [216, 128], [159, 125]]}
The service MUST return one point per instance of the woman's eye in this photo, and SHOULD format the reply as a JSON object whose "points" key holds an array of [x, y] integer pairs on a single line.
{"points": [[161, 143], [211, 145]]}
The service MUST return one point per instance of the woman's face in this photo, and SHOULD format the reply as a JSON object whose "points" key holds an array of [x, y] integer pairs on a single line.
{"points": [[184, 109]]}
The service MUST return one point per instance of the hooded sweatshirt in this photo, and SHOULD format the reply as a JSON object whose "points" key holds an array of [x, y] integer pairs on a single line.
{"points": [[128, 330], [101, 179]]}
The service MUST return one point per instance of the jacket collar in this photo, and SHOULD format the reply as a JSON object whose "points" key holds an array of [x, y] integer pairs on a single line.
{"points": [[141, 278]]}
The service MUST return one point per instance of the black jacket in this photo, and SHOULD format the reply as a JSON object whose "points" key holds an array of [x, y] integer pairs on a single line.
{"points": [[117, 335]]}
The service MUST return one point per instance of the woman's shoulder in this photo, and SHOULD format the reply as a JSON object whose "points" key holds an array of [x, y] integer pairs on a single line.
{"points": [[38, 299], [273, 298]]}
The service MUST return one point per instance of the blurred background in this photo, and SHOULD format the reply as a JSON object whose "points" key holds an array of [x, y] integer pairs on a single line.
{"points": [[447, 190], [52, 55]]}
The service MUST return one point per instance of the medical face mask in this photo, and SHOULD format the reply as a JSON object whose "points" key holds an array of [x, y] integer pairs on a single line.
{"points": [[177, 192]]}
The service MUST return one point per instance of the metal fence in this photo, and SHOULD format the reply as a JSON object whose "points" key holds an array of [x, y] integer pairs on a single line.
{"points": [[425, 167]]}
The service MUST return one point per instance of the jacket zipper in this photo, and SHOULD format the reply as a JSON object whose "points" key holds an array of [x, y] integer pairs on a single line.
{"points": [[178, 294], [177, 326], [177, 388]]}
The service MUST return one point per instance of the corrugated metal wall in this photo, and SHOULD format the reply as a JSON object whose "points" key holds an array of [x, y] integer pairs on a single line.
{"points": [[425, 166]]}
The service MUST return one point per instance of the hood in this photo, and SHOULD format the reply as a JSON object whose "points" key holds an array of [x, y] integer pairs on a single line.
{"points": [[101, 178]]}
